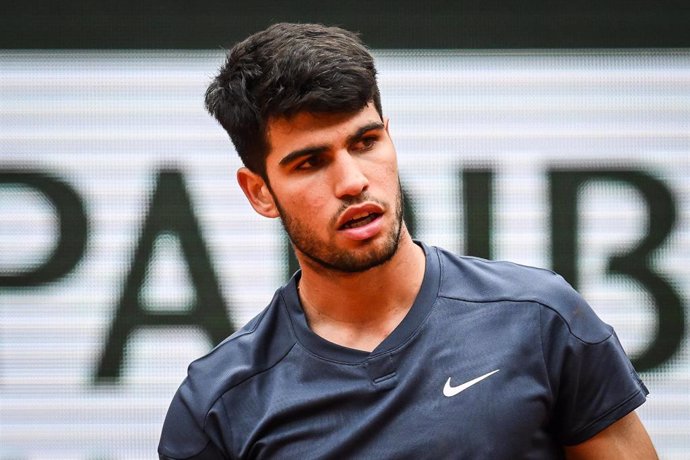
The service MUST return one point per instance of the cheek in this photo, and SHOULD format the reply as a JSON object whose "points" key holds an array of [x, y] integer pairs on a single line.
{"points": [[308, 205], [387, 174], [316, 204], [389, 162]]}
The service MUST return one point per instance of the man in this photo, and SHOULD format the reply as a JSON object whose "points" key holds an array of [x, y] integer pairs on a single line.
{"points": [[380, 346]]}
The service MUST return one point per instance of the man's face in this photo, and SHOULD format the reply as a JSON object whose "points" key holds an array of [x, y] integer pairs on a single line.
{"points": [[334, 181]]}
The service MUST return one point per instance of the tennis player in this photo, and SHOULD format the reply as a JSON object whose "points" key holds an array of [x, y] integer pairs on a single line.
{"points": [[381, 346]]}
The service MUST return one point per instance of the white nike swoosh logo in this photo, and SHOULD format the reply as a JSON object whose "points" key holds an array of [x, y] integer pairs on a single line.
{"points": [[449, 390]]}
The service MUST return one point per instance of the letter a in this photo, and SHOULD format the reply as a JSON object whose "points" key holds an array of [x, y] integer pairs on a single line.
{"points": [[170, 212]]}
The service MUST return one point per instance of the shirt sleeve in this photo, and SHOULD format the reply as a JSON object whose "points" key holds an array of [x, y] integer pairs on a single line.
{"points": [[593, 382], [183, 436]]}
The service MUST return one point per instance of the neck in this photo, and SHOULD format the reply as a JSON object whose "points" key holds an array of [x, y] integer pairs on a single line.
{"points": [[359, 310]]}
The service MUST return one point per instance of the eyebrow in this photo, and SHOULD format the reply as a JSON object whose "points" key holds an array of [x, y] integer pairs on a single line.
{"points": [[319, 149]]}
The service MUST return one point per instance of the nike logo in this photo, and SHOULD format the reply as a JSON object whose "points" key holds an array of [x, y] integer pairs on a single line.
{"points": [[449, 390]]}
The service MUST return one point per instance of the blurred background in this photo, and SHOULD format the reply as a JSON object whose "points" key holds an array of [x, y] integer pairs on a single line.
{"points": [[548, 133]]}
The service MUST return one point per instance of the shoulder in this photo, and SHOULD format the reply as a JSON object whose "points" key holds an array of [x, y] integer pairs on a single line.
{"points": [[196, 412], [256, 347], [481, 280], [478, 280]]}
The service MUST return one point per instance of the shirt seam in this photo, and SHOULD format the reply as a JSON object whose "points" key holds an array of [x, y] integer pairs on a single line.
{"points": [[543, 354], [235, 385], [576, 436], [190, 457], [532, 301]]}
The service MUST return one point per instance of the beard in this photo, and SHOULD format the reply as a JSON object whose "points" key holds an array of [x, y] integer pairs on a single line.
{"points": [[326, 255]]}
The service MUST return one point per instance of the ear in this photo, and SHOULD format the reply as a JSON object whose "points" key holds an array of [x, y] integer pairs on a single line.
{"points": [[257, 192]]}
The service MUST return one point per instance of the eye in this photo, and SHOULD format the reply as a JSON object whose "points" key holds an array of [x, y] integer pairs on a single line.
{"points": [[310, 162], [365, 143]]}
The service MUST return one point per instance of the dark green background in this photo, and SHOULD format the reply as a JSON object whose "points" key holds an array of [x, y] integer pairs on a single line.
{"points": [[209, 24]]}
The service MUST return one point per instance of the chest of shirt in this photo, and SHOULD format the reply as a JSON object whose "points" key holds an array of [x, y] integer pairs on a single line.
{"points": [[466, 379]]}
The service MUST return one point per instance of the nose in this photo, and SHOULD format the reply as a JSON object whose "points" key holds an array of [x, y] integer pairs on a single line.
{"points": [[349, 179]]}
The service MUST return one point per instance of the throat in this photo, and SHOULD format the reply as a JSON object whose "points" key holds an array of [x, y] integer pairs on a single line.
{"points": [[364, 337], [359, 326], [360, 310]]}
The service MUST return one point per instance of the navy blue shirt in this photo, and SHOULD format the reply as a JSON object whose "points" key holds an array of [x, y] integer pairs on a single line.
{"points": [[493, 360]]}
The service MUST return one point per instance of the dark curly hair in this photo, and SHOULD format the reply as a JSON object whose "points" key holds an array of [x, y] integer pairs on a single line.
{"points": [[286, 69]]}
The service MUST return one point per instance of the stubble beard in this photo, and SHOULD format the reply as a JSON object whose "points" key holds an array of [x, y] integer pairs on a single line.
{"points": [[325, 255]]}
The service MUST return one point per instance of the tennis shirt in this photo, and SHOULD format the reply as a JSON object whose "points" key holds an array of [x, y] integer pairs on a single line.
{"points": [[493, 360]]}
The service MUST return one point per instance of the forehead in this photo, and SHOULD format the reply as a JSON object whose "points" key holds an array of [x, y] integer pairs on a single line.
{"points": [[307, 129]]}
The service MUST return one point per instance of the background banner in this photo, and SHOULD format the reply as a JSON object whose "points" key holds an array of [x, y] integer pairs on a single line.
{"points": [[128, 250]]}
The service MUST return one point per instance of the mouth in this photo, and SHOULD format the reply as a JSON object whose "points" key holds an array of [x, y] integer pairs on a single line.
{"points": [[360, 220]]}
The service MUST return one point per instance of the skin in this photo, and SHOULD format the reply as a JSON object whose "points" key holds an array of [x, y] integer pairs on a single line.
{"points": [[626, 439], [323, 170]]}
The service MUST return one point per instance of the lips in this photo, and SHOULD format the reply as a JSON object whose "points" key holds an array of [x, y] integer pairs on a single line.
{"points": [[359, 216], [360, 221]]}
